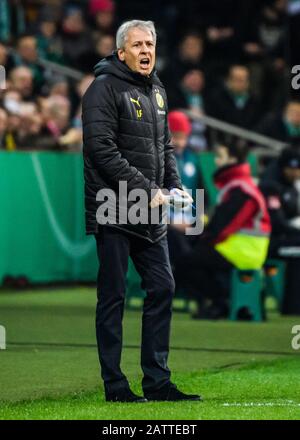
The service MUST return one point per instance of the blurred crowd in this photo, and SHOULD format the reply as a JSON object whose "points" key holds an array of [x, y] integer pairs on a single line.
{"points": [[230, 60]]}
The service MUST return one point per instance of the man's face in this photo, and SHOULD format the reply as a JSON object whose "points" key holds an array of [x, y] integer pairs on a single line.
{"points": [[48, 28], [74, 23], [192, 48], [22, 81], [27, 49], [193, 81], [179, 140], [238, 80], [105, 45], [293, 114], [292, 175], [139, 51], [223, 158], [105, 19]]}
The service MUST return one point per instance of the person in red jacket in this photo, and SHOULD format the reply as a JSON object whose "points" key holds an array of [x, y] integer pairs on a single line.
{"points": [[237, 235]]}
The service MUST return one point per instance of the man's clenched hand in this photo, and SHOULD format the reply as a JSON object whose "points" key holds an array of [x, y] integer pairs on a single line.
{"points": [[183, 194]]}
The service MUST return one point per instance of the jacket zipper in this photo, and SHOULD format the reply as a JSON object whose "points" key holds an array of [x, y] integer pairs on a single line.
{"points": [[155, 138]]}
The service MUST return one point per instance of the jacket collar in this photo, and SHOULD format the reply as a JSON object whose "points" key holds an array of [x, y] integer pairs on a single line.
{"points": [[112, 65]]}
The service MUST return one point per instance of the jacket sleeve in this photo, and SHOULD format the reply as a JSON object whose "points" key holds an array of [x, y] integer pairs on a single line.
{"points": [[100, 138], [172, 178]]}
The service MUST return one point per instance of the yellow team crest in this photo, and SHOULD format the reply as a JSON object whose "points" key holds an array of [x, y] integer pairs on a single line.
{"points": [[159, 100]]}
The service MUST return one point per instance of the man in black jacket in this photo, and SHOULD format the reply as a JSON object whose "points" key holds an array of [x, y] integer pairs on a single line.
{"points": [[126, 140], [285, 126], [233, 102], [280, 186]]}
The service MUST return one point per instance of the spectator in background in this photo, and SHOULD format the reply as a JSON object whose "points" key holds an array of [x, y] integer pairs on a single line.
{"points": [[293, 8], [27, 55], [280, 185], [76, 40], [187, 161], [3, 128], [11, 100], [29, 128], [189, 94], [233, 102], [5, 58], [103, 13], [12, 19], [236, 235], [26, 50], [21, 80], [104, 46], [13, 124], [81, 88], [56, 119], [58, 85], [21, 120], [284, 126], [279, 181], [48, 39], [221, 21], [73, 137], [24, 122], [189, 57], [209, 35], [264, 51], [3, 54], [187, 165], [191, 51]]}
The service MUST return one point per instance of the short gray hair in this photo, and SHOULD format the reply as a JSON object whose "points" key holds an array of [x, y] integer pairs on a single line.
{"points": [[127, 25]]}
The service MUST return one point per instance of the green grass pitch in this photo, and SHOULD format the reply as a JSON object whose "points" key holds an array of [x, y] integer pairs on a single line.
{"points": [[50, 367]]}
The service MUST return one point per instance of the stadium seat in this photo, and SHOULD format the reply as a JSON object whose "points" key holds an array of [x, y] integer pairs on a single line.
{"points": [[246, 292]]}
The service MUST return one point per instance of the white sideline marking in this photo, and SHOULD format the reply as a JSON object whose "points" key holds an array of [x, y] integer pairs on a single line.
{"points": [[254, 404]]}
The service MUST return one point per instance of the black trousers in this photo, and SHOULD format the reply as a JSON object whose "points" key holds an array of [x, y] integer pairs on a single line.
{"points": [[152, 263]]}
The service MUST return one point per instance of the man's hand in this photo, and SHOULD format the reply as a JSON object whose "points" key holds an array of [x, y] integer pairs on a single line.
{"points": [[158, 199], [182, 193]]}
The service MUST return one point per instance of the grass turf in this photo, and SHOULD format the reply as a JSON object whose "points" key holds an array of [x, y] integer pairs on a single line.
{"points": [[50, 368]]}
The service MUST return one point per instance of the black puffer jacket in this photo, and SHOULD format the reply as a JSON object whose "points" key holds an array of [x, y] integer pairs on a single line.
{"points": [[126, 138]]}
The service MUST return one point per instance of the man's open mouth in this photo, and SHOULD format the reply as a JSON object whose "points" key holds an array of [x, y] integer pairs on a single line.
{"points": [[145, 62]]}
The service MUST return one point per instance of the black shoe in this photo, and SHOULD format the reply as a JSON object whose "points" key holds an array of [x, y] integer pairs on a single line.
{"points": [[124, 395], [170, 393]]}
